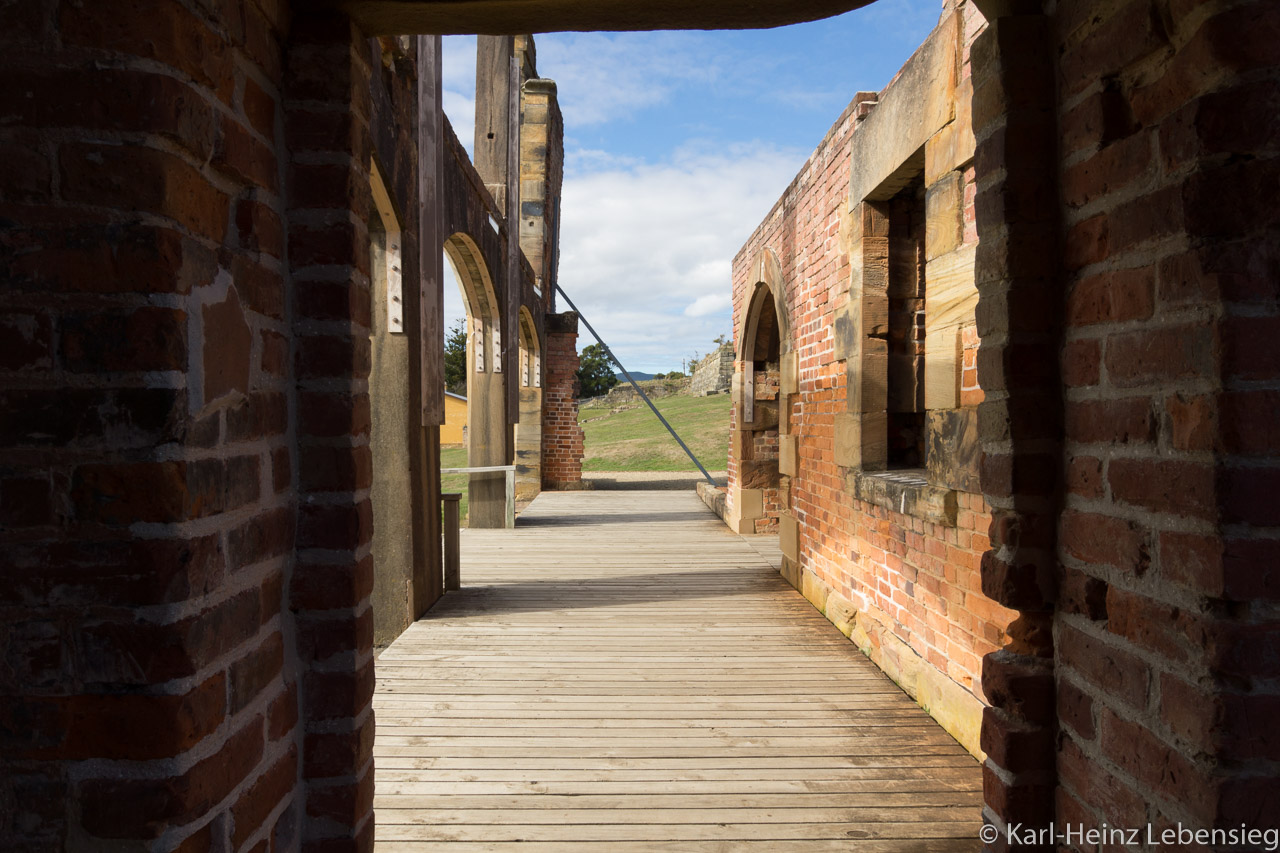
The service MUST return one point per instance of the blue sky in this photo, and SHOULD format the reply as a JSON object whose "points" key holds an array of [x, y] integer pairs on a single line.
{"points": [[676, 145]]}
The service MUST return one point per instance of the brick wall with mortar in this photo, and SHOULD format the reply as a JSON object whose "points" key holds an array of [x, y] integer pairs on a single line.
{"points": [[907, 589], [147, 659], [561, 434], [1168, 541], [197, 364], [328, 135]]}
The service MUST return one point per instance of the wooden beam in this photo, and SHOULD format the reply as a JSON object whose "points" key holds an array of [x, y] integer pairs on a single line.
{"points": [[515, 280], [430, 240]]}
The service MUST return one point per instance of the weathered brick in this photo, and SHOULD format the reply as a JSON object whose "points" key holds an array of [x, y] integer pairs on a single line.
{"points": [[1075, 708], [259, 108], [337, 753], [1096, 538], [328, 415], [1105, 666], [333, 695], [147, 338], [1178, 488], [1098, 787], [1019, 686], [144, 179], [167, 32], [145, 653], [322, 586], [342, 526], [156, 804], [1113, 167], [258, 228], [116, 99], [1110, 421], [1170, 631], [1191, 422], [243, 156], [1248, 422], [136, 727], [269, 534], [130, 257], [268, 791], [346, 802], [1112, 297], [1247, 495], [1158, 765]]}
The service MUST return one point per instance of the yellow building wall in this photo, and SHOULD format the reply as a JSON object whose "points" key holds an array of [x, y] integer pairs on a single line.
{"points": [[455, 418]]}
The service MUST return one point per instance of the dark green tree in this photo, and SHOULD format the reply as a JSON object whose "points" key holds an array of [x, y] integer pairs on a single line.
{"points": [[455, 358], [595, 372]]}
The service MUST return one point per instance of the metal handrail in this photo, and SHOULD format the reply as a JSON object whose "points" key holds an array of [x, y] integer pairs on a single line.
{"points": [[639, 390]]}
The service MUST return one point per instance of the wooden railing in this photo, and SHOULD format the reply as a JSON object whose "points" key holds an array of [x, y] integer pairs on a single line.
{"points": [[452, 521]]}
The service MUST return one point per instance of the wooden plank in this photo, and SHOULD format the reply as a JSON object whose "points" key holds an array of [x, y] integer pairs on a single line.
{"points": [[621, 673], [845, 845], [610, 833]]}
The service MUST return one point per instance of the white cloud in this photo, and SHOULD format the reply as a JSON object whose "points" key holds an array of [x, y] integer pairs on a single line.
{"points": [[605, 76], [646, 249], [458, 85], [708, 303], [461, 112]]}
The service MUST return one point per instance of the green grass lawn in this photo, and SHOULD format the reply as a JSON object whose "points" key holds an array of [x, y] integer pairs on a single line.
{"points": [[634, 440], [455, 457]]}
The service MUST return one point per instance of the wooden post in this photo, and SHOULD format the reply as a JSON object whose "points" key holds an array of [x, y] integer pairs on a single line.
{"points": [[511, 497], [430, 240], [452, 552], [514, 272]]}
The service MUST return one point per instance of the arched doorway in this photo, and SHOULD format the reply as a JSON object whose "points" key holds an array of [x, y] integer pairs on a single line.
{"points": [[488, 436], [762, 451], [528, 432]]}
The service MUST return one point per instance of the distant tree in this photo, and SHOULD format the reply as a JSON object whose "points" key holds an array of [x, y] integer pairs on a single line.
{"points": [[659, 376], [595, 372], [676, 374], [455, 358]]}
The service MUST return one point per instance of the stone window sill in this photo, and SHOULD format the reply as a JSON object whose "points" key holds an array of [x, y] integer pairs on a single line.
{"points": [[907, 491]]}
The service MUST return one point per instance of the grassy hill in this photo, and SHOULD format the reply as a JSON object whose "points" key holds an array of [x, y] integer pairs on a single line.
{"points": [[634, 440], [455, 457]]}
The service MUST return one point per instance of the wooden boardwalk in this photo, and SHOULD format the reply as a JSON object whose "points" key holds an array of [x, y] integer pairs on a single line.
{"points": [[623, 673]]}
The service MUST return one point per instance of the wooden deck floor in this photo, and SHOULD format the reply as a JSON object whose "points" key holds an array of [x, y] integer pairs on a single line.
{"points": [[621, 672]]}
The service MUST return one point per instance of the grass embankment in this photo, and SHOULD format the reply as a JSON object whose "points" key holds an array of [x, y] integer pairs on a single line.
{"points": [[455, 457], [634, 440]]}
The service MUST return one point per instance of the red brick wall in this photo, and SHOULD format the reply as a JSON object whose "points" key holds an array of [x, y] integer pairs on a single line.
{"points": [[327, 126], [146, 519], [1166, 634], [923, 576], [1020, 415], [561, 435]]}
